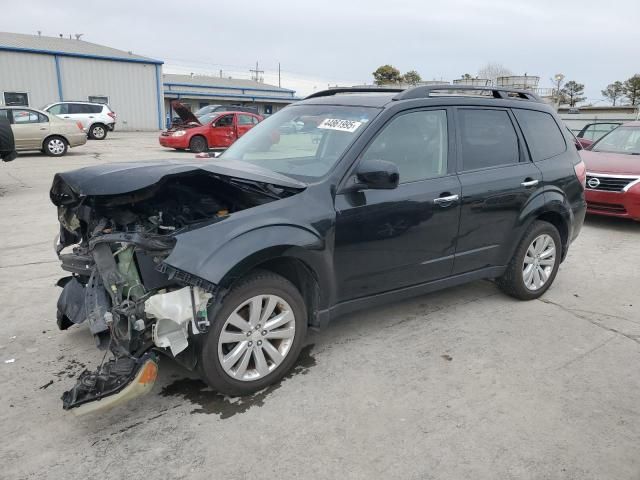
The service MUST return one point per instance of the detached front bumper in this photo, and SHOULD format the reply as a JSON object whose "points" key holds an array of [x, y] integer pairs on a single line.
{"points": [[624, 204]]}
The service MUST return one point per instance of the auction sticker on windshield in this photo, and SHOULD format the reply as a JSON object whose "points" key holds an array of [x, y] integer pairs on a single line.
{"points": [[341, 125]]}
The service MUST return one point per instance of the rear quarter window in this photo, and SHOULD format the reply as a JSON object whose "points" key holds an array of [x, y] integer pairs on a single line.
{"points": [[542, 134]]}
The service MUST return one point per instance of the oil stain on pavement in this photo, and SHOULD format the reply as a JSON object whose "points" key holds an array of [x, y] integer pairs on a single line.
{"points": [[211, 402]]}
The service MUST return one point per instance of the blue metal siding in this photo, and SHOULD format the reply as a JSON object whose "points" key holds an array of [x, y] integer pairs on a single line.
{"points": [[80, 55], [226, 95], [283, 90]]}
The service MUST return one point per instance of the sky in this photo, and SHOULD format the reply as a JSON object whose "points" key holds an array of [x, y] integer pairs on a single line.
{"points": [[343, 42]]}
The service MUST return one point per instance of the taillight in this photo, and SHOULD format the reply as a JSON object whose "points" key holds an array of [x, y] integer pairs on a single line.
{"points": [[79, 124], [581, 173], [112, 115]]}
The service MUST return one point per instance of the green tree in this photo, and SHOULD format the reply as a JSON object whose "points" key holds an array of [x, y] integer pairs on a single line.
{"points": [[572, 93], [411, 77], [386, 74], [614, 92], [632, 89], [466, 76]]}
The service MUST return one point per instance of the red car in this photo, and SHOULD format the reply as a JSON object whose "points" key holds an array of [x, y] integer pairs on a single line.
{"points": [[215, 130], [613, 173]]}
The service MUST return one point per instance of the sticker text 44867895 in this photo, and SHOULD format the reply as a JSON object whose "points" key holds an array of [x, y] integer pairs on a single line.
{"points": [[340, 125]]}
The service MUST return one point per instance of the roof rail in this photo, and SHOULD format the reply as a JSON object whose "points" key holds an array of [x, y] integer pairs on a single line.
{"points": [[497, 92], [334, 91]]}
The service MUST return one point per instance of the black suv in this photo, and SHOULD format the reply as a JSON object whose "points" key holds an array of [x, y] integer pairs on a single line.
{"points": [[380, 195]]}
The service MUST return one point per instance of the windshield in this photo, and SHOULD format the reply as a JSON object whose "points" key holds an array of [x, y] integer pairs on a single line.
{"points": [[206, 118], [621, 140], [303, 142], [205, 110]]}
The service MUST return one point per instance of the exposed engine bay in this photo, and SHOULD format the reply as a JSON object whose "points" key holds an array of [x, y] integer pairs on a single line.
{"points": [[113, 246]]}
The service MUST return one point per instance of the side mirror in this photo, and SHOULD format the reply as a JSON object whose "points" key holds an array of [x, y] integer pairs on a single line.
{"points": [[377, 175], [7, 142]]}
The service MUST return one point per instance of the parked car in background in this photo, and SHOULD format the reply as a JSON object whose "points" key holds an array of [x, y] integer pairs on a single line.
{"points": [[38, 130], [595, 131], [224, 108], [225, 264], [97, 118], [613, 173], [213, 130]]}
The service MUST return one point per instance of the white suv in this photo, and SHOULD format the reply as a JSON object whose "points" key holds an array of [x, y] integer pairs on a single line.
{"points": [[96, 118]]}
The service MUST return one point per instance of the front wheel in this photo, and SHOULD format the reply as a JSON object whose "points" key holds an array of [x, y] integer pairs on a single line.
{"points": [[256, 336], [198, 144], [535, 263]]}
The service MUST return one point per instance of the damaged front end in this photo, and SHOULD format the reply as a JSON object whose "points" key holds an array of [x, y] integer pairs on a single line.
{"points": [[114, 246]]}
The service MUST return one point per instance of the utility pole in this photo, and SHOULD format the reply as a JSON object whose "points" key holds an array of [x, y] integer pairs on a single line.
{"points": [[257, 71], [279, 85]]}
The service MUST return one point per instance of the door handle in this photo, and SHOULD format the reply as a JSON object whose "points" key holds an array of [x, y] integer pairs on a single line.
{"points": [[446, 201], [43, 128], [529, 183]]}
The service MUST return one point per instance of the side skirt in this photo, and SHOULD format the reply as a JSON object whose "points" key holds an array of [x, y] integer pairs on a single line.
{"points": [[349, 306]]}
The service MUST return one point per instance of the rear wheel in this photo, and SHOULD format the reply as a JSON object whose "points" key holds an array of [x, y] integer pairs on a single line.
{"points": [[535, 263], [198, 144], [98, 131], [256, 336], [55, 146]]}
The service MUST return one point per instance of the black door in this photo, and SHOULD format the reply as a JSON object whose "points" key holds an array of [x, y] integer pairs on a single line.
{"points": [[498, 181], [387, 239]]}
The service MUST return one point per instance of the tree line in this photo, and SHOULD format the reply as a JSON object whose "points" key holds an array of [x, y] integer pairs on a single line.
{"points": [[572, 93]]}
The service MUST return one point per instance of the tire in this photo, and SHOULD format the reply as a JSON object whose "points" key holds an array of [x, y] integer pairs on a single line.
{"points": [[198, 144], [269, 289], [539, 240], [98, 131], [55, 146]]}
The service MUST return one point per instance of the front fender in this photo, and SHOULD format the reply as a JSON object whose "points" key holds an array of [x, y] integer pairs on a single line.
{"points": [[196, 254]]}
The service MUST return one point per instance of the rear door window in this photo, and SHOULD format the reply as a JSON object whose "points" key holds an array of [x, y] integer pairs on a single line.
{"points": [[94, 108], [487, 138], [21, 117], [79, 108], [541, 132], [245, 120]]}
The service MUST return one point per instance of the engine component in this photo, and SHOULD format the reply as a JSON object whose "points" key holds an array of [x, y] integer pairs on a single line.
{"points": [[173, 312]]}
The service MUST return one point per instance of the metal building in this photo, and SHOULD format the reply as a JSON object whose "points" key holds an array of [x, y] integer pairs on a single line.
{"points": [[36, 70], [196, 91]]}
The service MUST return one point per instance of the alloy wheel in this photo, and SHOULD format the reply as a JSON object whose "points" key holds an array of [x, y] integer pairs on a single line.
{"points": [[256, 338], [539, 262], [98, 132]]}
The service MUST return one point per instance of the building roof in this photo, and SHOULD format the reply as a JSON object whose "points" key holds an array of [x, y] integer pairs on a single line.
{"points": [[206, 81], [19, 42]]}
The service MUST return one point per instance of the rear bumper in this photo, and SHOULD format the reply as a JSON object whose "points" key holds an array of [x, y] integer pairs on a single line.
{"points": [[76, 139], [615, 204], [174, 142]]}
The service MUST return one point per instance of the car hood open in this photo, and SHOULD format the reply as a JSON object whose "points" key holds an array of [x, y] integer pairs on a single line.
{"points": [[119, 178], [184, 113], [611, 163]]}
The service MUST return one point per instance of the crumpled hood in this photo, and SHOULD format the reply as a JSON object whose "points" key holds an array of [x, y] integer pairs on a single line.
{"points": [[120, 178]]}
